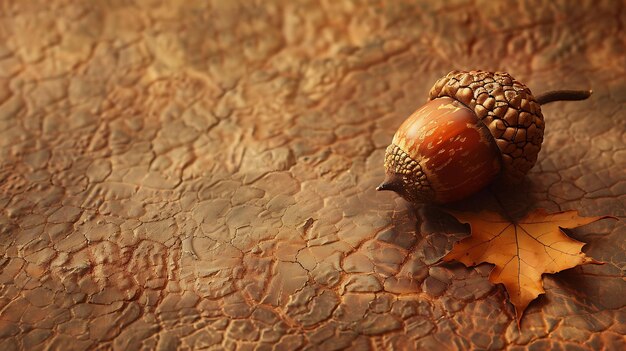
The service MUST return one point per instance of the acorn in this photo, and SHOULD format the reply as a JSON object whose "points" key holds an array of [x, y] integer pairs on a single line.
{"points": [[476, 127]]}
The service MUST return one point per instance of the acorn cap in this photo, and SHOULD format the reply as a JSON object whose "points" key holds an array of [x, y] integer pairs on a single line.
{"points": [[507, 108]]}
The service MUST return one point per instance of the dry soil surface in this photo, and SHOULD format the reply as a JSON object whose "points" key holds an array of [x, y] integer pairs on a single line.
{"points": [[200, 174]]}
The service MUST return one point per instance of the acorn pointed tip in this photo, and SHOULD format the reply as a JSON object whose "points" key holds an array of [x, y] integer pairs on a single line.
{"points": [[382, 186], [391, 182]]}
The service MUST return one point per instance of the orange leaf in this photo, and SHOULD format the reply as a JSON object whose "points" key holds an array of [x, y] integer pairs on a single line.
{"points": [[521, 251]]}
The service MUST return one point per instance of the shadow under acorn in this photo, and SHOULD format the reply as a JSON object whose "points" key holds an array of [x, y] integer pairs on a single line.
{"points": [[513, 201], [428, 232]]}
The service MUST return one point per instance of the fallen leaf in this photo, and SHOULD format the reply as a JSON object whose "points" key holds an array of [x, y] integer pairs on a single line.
{"points": [[521, 251]]}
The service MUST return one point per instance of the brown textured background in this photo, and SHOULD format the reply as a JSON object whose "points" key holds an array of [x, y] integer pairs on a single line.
{"points": [[195, 174]]}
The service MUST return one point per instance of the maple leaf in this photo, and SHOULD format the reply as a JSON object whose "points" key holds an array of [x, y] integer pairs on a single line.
{"points": [[521, 251]]}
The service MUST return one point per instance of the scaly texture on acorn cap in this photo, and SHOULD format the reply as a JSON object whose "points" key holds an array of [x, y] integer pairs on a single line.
{"points": [[408, 180], [507, 108]]}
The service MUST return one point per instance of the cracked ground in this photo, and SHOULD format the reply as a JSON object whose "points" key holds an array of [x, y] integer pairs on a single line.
{"points": [[201, 174]]}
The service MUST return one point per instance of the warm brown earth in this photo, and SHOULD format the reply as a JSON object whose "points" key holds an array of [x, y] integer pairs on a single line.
{"points": [[201, 174]]}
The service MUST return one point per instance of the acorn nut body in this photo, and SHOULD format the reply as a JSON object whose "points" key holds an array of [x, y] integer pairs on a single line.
{"points": [[477, 126]]}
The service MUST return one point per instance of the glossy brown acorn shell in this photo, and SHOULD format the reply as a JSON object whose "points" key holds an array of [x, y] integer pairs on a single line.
{"points": [[442, 153], [505, 106]]}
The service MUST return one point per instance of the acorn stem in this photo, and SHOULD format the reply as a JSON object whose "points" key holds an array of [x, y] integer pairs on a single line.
{"points": [[563, 95]]}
